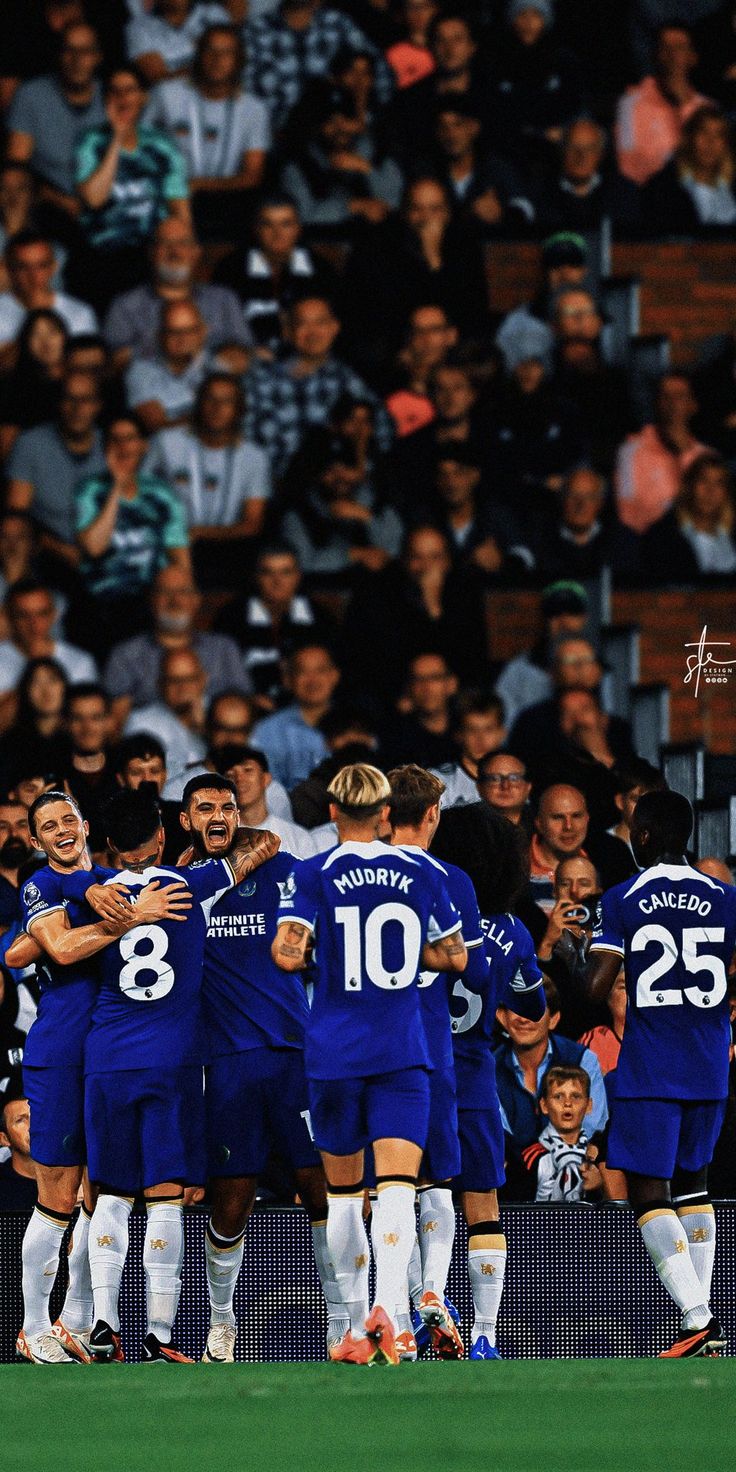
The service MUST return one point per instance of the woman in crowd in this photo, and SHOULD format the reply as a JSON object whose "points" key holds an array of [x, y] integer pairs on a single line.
{"points": [[695, 191], [697, 538], [30, 394], [36, 740]]}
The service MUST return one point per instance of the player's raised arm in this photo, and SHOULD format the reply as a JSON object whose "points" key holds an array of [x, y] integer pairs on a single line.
{"points": [[66, 945], [23, 952], [290, 945]]}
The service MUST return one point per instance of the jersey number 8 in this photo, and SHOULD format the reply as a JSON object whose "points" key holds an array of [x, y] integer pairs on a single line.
{"points": [[159, 972], [363, 946], [647, 993]]}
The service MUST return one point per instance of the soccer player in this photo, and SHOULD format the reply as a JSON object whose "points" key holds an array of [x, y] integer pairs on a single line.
{"points": [[256, 1090], [414, 814], [376, 915], [492, 850], [53, 1067], [675, 930], [144, 1106]]}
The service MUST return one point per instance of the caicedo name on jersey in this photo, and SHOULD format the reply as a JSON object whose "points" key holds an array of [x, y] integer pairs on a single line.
{"points": [[668, 900], [231, 925]]}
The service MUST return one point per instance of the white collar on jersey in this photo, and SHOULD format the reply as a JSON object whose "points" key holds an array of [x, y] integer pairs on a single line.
{"points": [[373, 850], [128, 876], [674, 872], [414, 848]]}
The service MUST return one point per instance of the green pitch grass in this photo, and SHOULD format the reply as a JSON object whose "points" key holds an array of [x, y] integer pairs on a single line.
{"points": [[530, 1416]]}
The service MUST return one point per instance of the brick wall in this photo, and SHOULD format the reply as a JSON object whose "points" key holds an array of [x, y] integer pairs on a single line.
{"points": [[668, 620], [688, 291]]}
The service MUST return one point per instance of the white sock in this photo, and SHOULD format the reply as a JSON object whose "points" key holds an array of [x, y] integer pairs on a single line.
{"points": [[108, 1249], [78, 1311], [347, 1249], [436, 1236], [338, 1321], [668, 1249], [487, 1269], [394, 1234], [163, 1257], [224, 1257], [415, 1275], [40, 1255], [699, 1222]]}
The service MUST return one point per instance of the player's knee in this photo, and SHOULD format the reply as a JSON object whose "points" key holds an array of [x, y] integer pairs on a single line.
{"points": [[312, 1189], [232, 1203]]}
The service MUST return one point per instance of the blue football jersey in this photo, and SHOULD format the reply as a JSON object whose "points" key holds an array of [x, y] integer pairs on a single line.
{"points": [[370, 908], [148, 1011], [435, 986], [513, 979], [675, 930], [68, 993], [248, 1000]]}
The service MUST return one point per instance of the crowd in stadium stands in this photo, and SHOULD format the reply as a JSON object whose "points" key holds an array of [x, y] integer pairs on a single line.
{"points": [[265, 447]]}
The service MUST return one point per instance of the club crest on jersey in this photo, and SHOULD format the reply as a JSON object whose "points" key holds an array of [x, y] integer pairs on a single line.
{"points": [[247, 888], [287, 889]]}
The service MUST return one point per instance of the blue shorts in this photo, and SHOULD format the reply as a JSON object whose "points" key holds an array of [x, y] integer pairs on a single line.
{"points": [[652, 1137], [350, 1113], [481, 1149], [56, 1099], [257, 1105], [145, 1126], [441, 1159]]}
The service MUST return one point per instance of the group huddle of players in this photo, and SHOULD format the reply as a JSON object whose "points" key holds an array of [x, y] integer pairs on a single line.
{"points": [[339, 1012]]}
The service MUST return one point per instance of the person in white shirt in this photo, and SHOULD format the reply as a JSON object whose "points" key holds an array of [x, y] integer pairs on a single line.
{"points": [[480, 730], [31, 265], [252, 780], [31, 614], [223, 132], [177, 718], [161, 38], [162, 390]]}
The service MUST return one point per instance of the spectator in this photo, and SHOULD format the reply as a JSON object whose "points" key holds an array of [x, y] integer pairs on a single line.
{"points": [[90, 772], [31, 265], [453, 398], [16, 850], [522, 1060], [714, 386], [291, 738], [133, 322], [536, 82], [534, 434], [583, 744], [132, 671], [31, 39], [162, 39], [47, 461], [576, 879], [695, 193], [18, 211], [223, 132], [30, 394], [582, 191], [50, 112], [453, 44], [252, 779], [697, 538], [560, 829], [599, 392], [565, 262], [177, 717], [481, 533], [276, 270], [31, 615], [141, 759], [163, 390], [562, 1165], [430, 338], [650, 116], [18, 555], [417, 604], [222, 479], [572, 661], [284, 398], [284, 51], [336, 176], [335, 526], [271, 621], [605, 1040], [479, 732], [503, 784], [410, 57], [483, 186], [424, 734], [577, 539], [129, 525], [18, 1189], [351, 738], [36, 741], [128, 178], [650, 464], [420, 255], [526, 678], [633, 779]]}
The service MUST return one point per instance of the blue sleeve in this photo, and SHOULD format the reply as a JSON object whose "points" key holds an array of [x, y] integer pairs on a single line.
{"points": [[41, 895], [74, 886], [608, 930], [300, 896], [207, 880], [598, 1117], [444, 918]]}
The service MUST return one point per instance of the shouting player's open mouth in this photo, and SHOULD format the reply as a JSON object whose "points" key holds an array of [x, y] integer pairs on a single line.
{"points": [[218, 835]]}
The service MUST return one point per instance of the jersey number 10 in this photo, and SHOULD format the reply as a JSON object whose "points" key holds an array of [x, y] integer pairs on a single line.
{"points": [[363, 946]]}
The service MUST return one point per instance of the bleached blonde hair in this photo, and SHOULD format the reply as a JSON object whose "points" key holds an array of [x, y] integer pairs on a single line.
{"points": [[359, 790]]}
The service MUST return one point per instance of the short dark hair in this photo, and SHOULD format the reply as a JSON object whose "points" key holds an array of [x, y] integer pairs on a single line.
{"points": [[564, 1074], [83, 341], [24, 238], [87, 690], [501, 751], [667, 817], [43, 800], [124, 416], [244, 754], [638, 772], [478, 703], [24, 586], [131, 818], [490, 849], [212, 780], [136, 747]]}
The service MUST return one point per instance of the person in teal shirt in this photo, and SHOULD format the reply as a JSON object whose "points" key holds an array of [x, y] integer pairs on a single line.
{"points": [[128, 177], [129, 525]]}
